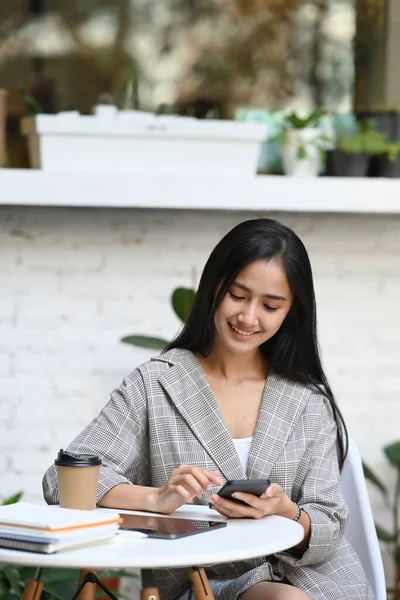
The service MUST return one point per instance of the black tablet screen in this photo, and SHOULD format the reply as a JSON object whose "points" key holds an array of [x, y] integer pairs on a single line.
{"points": [[167, 527]]}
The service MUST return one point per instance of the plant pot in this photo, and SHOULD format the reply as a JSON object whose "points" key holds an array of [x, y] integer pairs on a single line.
{"points": [[149, 144], [343, 164], [3, 113], [387, 122], [386, 167], [293, 165]]}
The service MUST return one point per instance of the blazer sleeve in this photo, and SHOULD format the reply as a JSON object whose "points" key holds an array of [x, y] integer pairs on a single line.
{"points": [[118, 436], [320, 495]]}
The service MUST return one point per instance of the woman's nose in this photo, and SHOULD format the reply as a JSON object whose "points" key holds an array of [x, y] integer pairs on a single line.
{"points": [[248, 316]]}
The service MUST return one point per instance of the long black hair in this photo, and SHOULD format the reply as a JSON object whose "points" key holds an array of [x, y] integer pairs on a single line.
{"points": [[293, 351]]}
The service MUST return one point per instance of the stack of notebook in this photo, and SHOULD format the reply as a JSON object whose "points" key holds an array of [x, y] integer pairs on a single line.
{"points": [[49, 529]]}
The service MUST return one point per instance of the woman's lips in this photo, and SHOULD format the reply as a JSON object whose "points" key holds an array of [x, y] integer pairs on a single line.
{"points": [[242, 332]]}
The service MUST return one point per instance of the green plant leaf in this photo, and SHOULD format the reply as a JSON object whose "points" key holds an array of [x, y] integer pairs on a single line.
{"points": [[366, 139], [64, 591], [370, 475], [322, 154], [383, 535], [312, 120], [325, 138], [13, 578], [26, 573], [67, 593], [295, 121], [13, 499], [34, 106], [279, 137], [301, 152], [61, 583], [56, 576], [118, 573], [7, 595], [393, 453], [182, 302], [145, 341]]}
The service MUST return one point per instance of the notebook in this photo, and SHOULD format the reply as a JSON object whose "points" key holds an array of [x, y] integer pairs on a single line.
{"points": [[53, 519], [39, 535], [47, 529], [49, 547]]}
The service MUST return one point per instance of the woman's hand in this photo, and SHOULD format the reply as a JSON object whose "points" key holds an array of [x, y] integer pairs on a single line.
{"points": [[272, 502], [184, 484]]}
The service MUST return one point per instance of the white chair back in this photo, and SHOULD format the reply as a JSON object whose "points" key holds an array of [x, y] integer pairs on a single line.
{"points": [[361, 531]]}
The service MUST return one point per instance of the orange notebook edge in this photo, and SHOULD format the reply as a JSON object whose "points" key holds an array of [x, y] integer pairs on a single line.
{"points": [[69, 528]]}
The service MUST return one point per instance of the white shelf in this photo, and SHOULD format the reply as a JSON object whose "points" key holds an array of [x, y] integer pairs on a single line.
{"points": [[199, 192]]}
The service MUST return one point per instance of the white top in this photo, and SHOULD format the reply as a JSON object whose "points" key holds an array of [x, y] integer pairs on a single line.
{"points": [[263, 537], [243, 446]]}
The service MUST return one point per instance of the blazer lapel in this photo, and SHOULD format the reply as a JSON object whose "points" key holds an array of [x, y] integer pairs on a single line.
{"points": [[187, 386], [282, 403]]}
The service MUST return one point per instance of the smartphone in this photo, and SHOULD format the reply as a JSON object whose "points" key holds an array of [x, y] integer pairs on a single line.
{"points": [[250, 486], [167, 528]]}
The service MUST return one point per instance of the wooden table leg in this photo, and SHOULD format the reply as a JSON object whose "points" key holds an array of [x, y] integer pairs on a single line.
{"points": [[149, 593], [89, 590], [200, 584], [149, 590], [34, 587], [33, 590]]}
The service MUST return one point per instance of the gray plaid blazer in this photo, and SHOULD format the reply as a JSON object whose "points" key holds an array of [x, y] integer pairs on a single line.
{"points": [[164, 414]]}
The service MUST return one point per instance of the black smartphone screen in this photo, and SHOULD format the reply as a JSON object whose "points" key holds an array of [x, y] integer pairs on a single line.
{"points": [[167, 527], [250, 486]]}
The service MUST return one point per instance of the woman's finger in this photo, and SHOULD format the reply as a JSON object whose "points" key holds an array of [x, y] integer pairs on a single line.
{"points": [[182, 492], [252, 501], [190, 483], [203, 476], [233, 509], [273, 491]]}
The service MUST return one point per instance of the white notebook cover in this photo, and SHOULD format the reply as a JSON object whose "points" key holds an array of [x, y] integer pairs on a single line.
{"points": [[53, 518], [50, 547], [41, 535]]}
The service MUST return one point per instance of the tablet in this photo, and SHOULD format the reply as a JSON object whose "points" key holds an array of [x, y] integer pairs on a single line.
{"points": [[167, 528]]}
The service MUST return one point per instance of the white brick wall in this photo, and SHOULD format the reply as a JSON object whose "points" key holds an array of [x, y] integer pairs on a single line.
{"points": [[73, 281]]}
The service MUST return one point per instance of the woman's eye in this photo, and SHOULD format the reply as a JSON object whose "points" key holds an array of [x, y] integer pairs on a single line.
{"points": [[270, 308], [236, 297]]}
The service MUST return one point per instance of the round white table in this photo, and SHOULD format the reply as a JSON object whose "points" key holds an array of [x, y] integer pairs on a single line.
{"points": [[239, 540]]}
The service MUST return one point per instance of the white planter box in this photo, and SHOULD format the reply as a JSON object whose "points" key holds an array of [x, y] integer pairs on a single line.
{"points": [[142, 143]]}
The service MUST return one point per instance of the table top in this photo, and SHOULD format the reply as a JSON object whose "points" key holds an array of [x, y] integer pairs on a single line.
{"points": [[239, 540]]}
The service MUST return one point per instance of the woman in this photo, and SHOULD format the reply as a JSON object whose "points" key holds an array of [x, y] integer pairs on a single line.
{"points": [[239, 393]]}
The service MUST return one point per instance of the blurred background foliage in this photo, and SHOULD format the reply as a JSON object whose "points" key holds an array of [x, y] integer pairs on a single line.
{"points": [[196, 57]]}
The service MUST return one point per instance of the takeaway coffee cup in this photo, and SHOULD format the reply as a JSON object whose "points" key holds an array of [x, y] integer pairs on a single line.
{"points": [[78, 476]]}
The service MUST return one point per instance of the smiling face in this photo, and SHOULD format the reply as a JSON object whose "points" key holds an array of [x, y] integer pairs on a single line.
{"points": [[254, 307]]}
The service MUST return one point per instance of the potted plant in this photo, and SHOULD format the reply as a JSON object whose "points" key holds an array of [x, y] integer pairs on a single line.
{"points": [[304, 144], [392, 503], [3, 113], [137, 142], [387, 120], [387, 164], [353, 151], [182, 301]]}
